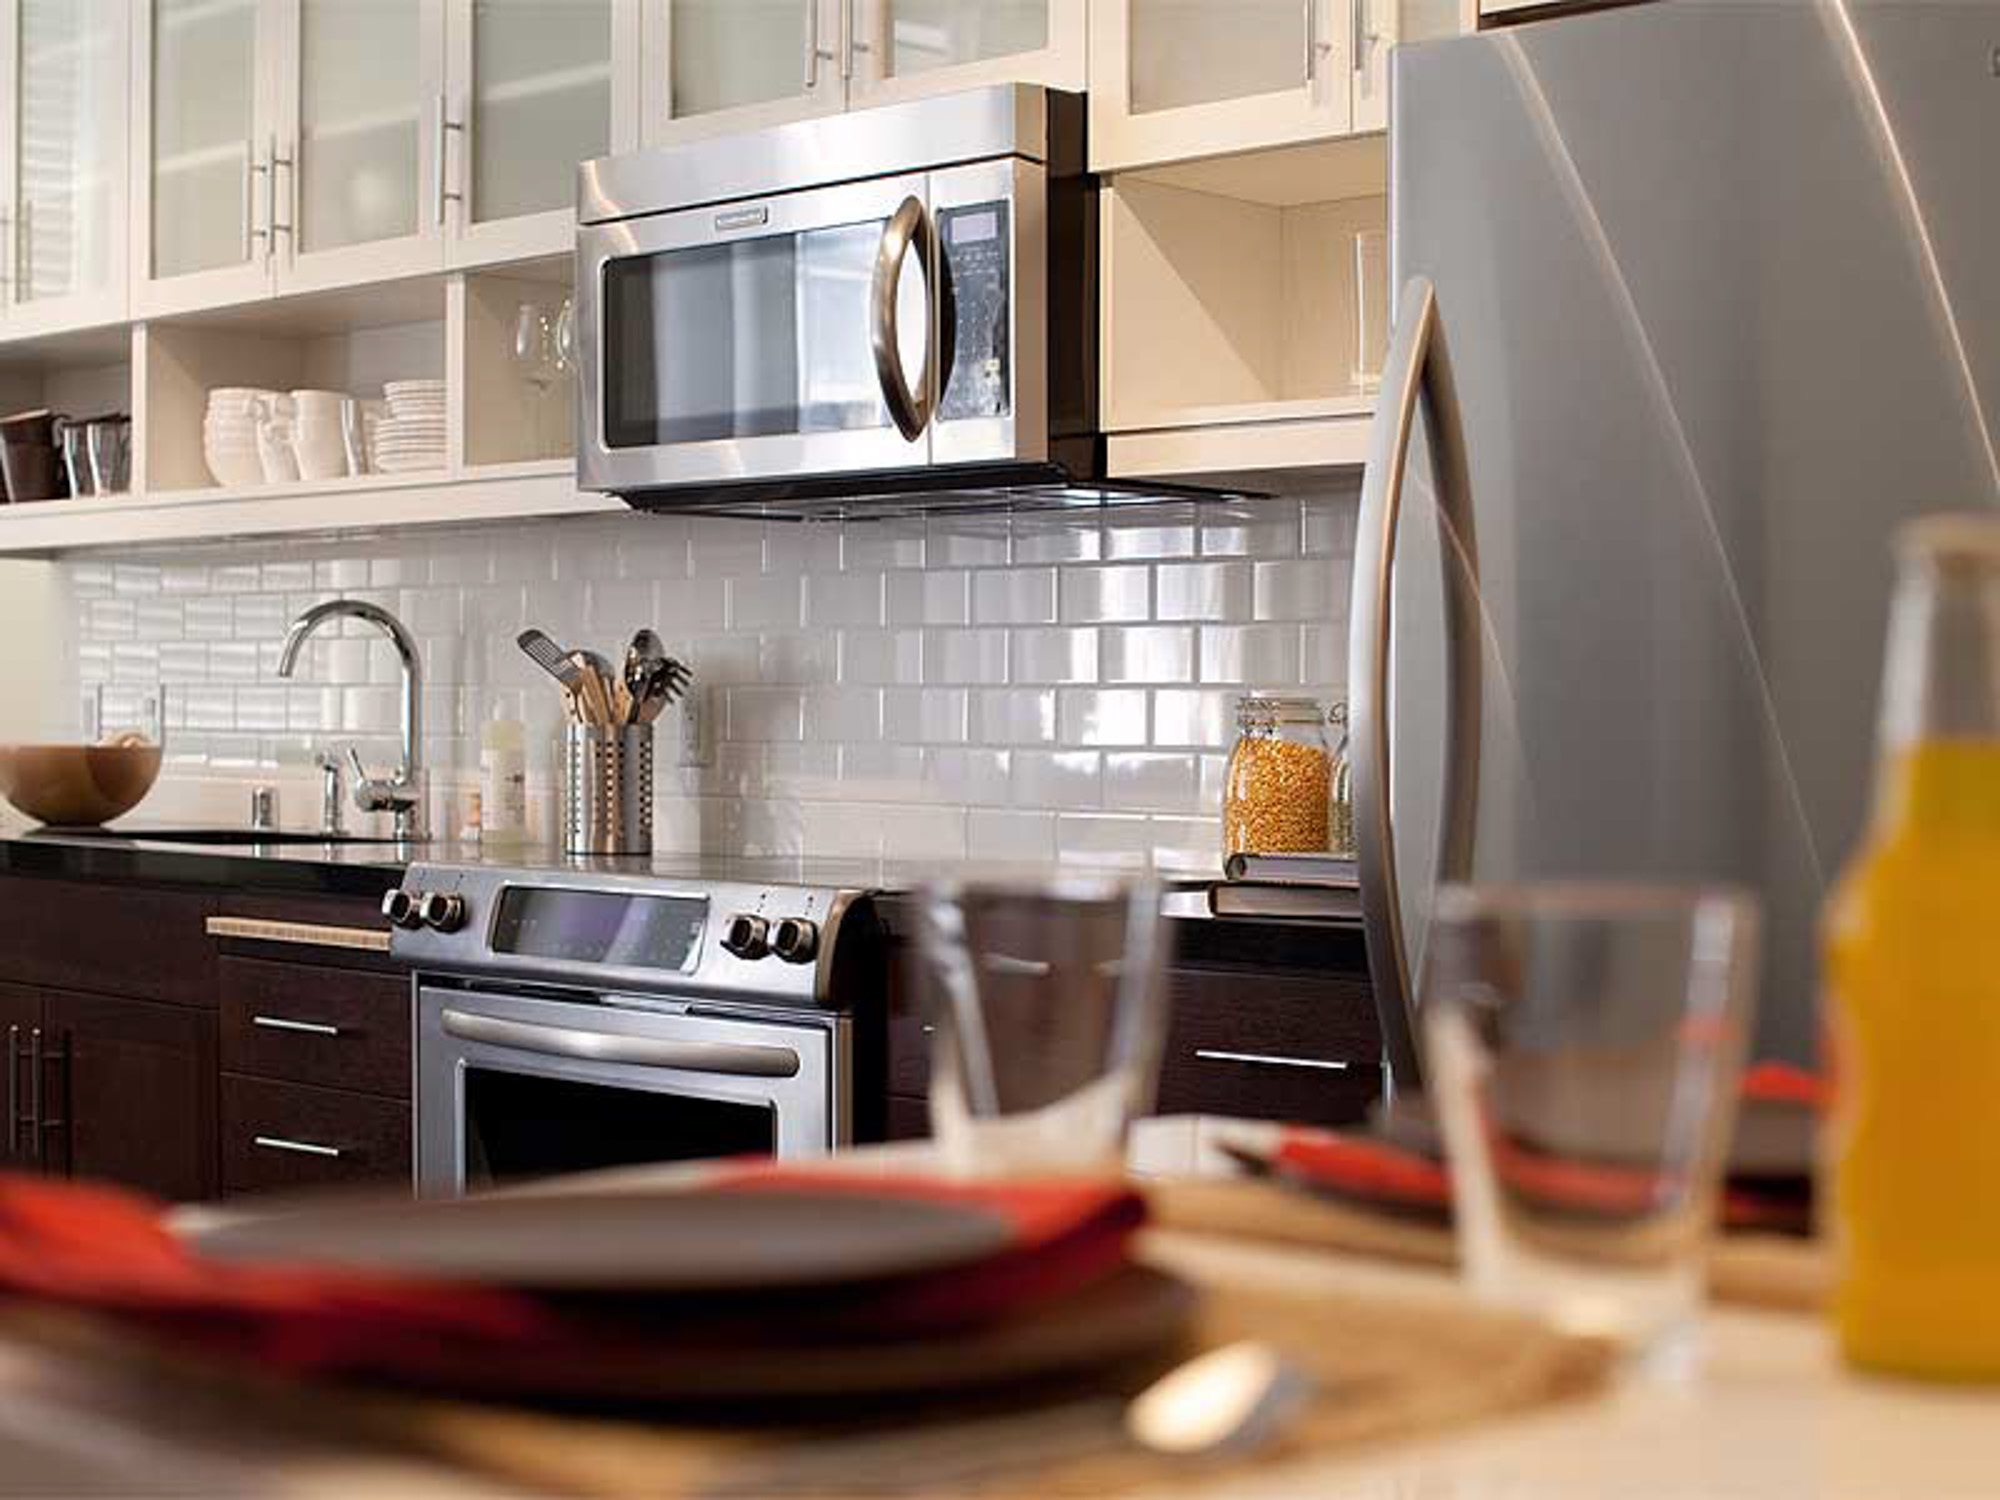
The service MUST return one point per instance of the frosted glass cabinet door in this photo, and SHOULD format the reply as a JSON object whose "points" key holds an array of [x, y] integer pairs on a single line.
{"points": [[357, 152], [738, 64], [71, 86], [1183, 78], [536, 86], [207, 180], [925, 46]]}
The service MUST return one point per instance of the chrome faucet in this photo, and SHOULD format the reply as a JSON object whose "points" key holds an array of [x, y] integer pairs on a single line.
{"points": [[402, 794]]}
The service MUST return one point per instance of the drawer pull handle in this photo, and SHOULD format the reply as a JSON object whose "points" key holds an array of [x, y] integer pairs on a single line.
{"points": [[1210, 1054], [299, 1148], [285, 1023]]}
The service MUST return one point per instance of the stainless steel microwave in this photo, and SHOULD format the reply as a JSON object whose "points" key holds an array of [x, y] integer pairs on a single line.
{"points": [[897, 300]]}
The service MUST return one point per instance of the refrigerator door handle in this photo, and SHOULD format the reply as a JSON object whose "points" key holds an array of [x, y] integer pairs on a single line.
{"points": [[1416, 368]]}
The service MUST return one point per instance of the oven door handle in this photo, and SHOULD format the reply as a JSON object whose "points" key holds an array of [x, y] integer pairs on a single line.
{"points": [[736, 1058]]}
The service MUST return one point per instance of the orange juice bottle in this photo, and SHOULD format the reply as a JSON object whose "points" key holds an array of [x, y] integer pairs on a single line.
{"points": [[1913, 983]]}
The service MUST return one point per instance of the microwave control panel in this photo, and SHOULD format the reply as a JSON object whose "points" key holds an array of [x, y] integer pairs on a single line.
{"points": [[976, 247]]}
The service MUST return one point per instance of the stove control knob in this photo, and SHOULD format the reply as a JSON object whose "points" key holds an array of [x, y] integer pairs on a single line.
{"points": [[747, 936], [796, 940], [400, 907], [442, 912]]}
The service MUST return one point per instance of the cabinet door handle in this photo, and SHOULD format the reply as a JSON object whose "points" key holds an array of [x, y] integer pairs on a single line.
{"points": [[35, 1093], [286, 1023], [848, 45], [443, 125], [13, 1090], [1269, 1059], [297, 1148], [1308, 13], [252, 170]]}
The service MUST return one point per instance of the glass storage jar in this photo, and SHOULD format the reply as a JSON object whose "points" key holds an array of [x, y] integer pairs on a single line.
{"points": [[1278, 794]]}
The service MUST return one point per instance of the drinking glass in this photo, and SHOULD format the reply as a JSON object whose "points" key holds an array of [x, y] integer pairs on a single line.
{"points": [[1371, 306], [534, 355], [1048, 1011], [1583, 1044]]}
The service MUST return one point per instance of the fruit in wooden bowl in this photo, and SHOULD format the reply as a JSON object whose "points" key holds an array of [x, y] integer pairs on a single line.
{"points": [[79, 786]]}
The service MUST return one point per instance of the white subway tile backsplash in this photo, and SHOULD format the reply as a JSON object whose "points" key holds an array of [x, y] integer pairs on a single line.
{"points": [[1041, 686], [1147, 653], [765, 602], [1203, 591], [929, 598], [1107, 594], [1014, 717], [1058, 778], [965, 656], [885, 657], [1092, 716], [1257, 655], [925, 716], [844, 599], [1138, 782], [1056, 654], [1300, 590], [1022, 596], [1010, 837]]}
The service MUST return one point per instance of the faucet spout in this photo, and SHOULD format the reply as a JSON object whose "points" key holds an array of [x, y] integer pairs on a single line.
{"points": [[403, 795]]}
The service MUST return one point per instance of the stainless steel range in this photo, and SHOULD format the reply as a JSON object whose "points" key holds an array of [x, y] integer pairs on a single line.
{"points": [[601, 1017]]}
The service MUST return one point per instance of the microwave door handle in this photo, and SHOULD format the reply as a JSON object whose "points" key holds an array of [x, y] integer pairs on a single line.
{"points": [[1416, 368], [737, 1059], [908, 225]]}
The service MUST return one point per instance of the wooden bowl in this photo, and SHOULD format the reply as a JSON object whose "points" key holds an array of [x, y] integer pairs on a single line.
{"points": [[77, 786]]}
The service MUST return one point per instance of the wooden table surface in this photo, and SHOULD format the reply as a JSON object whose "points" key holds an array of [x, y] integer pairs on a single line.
{"points": [[1767, 1410]]}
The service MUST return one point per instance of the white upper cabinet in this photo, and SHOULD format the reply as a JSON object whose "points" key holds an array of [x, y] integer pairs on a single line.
{"points": [[65, 163], [1175, 79], [358, 141], [909, 47], [720, 65], [715, 66], [535, 86], [203, 137]]}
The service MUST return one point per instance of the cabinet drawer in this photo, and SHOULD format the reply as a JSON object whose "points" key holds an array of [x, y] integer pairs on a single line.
{"points": [[108, 939], [340, 1028], [287, 1135]]}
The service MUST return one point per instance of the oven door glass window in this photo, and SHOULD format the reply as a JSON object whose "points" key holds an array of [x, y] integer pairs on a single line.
{"points": [[763, 337], [523, 1125]]}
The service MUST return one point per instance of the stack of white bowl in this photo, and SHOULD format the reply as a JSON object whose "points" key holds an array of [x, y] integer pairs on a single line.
{"points": [[229, 431], [411, 435]]}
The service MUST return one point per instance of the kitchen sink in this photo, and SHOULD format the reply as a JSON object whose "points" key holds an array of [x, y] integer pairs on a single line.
{"points": [[243, 836]]}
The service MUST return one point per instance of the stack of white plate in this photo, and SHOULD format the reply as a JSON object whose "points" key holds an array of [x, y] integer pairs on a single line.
{"points": [[229, 431], [411, 435]]}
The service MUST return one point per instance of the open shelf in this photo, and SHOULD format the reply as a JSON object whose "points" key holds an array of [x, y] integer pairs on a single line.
{"points": [[1234, 305]]}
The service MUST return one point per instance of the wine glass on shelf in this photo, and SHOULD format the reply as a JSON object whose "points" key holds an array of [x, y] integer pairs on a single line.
{"points": [[566, 357], [534, 355]]}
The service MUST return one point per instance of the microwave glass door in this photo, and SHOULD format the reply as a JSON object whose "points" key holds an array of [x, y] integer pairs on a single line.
{"points": [[740, 341]]}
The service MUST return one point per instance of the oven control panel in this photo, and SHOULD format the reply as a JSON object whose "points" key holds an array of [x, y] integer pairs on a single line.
{"points": [[620, 931]]}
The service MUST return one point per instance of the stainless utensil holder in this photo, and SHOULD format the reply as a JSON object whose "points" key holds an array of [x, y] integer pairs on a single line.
{"points": [[608, 789]]}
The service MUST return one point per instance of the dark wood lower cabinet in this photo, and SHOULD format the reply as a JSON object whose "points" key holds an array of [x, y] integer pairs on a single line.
{"points": [[135, 1092]]}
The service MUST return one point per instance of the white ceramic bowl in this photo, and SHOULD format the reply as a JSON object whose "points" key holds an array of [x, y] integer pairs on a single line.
{"points": [[235, 466]]}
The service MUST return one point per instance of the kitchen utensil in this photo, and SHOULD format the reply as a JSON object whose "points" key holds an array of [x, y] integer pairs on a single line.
{"points": [[1049, 1008], [555, 661], [594, 693], [641, 658], [1583, 1045], [1233, 1400], [607, 784]]}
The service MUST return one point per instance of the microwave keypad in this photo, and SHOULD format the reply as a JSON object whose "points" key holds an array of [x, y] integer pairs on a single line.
{"points": [[976, 243]]}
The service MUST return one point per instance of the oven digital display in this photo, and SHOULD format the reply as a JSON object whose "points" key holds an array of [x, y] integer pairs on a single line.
{"points": [[600, 927]]}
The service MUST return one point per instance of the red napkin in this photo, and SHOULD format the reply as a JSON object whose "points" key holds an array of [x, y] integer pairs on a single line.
{"points": [[109, 1252], [1382, 1174]]}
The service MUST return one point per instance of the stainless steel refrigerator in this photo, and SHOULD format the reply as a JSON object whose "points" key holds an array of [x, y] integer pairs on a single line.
{"points": [[1697, 302]]}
